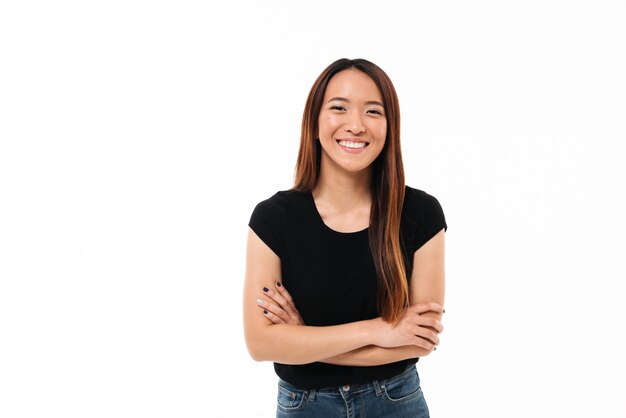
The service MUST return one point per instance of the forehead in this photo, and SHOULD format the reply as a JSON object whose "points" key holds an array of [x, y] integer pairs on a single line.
{"points": [[352, 84]]}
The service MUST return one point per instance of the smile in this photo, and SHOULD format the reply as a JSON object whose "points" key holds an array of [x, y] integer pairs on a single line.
{"points": [[352, 145]]}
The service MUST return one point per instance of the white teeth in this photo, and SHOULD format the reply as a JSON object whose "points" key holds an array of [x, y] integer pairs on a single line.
{"points": [[349, 144]]}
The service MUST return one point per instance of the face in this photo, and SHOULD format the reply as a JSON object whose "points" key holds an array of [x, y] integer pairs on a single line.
{"points": [[352, 122]]}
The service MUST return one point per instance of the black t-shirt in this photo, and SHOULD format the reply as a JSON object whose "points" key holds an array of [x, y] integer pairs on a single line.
{"points": [[331, 275]]}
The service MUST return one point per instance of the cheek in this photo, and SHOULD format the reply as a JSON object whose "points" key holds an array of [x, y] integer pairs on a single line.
{"points": [[328, 124], [381, 131]]}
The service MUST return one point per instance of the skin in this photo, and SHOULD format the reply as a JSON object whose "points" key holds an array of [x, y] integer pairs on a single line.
{"points": [[274, 331]]}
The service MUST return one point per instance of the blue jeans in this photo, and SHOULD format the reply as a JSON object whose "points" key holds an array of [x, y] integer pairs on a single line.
{"points": [[399, 396]]}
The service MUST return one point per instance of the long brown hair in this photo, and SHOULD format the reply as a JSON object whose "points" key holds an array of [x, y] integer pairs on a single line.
{"points": [[387, 183]]}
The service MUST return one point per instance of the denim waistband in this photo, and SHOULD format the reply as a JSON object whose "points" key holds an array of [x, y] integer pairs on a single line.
{"points": [[376, 385]]}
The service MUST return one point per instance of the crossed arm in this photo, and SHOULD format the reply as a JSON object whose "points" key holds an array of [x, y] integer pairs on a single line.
{"points": [[279, 335]]}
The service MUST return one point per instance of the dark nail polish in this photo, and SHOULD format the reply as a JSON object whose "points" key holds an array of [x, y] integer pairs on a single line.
{"points": [[265, 311], [278, 284], [265, 289], [444, 311], [435, 348]]}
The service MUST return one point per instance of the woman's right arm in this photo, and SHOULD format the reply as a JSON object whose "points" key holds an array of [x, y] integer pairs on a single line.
{"points": [[297, 344], [373, 355]]}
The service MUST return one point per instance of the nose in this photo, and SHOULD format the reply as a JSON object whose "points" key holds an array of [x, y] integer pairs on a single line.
{"points": [[355, 124]]}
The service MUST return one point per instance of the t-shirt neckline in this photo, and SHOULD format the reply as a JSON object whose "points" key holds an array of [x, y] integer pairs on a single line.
{"points": [[318, 216]]}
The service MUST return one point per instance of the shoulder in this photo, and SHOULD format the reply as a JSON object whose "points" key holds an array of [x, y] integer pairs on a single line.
{"points": [[281, 206], [422, 218], [421, 207], [270, 218], [280, 202], [419, 200]]}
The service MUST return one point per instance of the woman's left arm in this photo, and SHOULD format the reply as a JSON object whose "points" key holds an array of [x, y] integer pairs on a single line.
{"points": [[427, 285], [428, 282]]}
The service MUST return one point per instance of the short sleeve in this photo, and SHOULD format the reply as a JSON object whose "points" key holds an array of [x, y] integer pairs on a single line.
{"points": [[266, 222], [429, 218]]}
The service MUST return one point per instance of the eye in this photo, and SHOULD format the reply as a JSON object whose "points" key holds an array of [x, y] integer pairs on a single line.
{"points": [[377, 112], [338, 108]]}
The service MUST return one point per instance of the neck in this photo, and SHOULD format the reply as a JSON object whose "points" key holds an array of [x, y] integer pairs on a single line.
{"points": [[341, 188]]}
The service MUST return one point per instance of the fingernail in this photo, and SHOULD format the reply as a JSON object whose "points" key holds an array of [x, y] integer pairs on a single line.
{"points": [[260, 302], [444, 311], [278, 284], [265, 311], [265, 289], [435, 348]]}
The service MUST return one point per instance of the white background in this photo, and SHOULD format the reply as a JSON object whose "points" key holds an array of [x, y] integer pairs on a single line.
{"points": [[136, 138]]}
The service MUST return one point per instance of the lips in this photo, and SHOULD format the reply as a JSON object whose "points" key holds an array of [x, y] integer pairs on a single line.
{"points": [[352, 143]]}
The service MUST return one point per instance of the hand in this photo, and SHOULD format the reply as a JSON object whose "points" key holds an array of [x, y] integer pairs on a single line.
{"points": [[278, 306], [413, 329]]}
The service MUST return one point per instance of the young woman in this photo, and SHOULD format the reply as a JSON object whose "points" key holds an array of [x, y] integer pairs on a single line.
{"points": [[344, 278]]}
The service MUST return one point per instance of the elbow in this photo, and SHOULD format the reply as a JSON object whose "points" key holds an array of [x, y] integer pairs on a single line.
{"points": [[253, 351], [263, 351], [257, 354], [257, 349], [265, 345]]}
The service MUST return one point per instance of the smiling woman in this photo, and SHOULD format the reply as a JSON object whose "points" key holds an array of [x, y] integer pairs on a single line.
{"points": [[344, 278], [352, 116]]}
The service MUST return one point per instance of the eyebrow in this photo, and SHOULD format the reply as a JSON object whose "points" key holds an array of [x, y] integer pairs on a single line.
{"points": [[343, 99]]}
